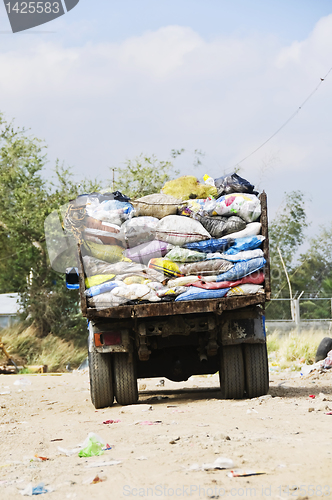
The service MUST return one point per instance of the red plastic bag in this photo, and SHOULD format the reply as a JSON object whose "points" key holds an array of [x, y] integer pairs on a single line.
{"points": [[256, 278]]}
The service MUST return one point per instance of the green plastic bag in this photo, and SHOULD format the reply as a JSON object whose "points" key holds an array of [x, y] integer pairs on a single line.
{"points": [[178, 254], [92, 446]]}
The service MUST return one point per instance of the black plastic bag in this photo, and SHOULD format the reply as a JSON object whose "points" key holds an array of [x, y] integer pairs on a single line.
{"points": [[116, 195], [219, 226], [233, 183]]}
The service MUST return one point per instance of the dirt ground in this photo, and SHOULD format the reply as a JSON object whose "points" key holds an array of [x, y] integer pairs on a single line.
{"points": [[286, 436]]}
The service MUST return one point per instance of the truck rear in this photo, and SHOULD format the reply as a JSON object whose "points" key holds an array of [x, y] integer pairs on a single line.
{"points": [[179, 339], [176, 339]]}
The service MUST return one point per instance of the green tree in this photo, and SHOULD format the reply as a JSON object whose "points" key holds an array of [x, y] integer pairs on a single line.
{"points": [[144, 175], [314, 267], [286, 232], [26, 199]]}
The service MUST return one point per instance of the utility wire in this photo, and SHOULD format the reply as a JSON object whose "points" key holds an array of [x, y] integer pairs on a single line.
{"points": [[286, 122]]}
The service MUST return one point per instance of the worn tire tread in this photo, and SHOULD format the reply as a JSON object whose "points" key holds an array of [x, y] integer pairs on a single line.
{"points": [[125, 379], [231, 373], [256, 370], [101, 380]]}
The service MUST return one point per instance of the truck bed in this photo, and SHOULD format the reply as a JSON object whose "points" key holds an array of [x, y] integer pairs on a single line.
{"points": [[216, 306]]}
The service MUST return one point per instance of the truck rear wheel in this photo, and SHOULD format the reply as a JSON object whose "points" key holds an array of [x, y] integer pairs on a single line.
{"points": [[101, 379], [231, 372], [125, 379], [256, 370]]}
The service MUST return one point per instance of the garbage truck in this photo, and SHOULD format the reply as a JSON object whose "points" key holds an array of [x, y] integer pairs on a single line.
{"points": [[175, 339]]}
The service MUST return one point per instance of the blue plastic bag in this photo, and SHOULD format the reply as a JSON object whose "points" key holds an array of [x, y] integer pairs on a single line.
{"points": [[98, 289], [247, 243], [242, 269], [212, 245], [39, 489], [201, 294]]}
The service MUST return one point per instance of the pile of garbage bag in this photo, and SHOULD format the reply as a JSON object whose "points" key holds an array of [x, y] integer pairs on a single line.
{"points": [[172, 245]]}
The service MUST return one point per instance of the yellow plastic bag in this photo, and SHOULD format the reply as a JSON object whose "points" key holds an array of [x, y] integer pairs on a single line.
{"points": [[131, 280], [167, 267], [187, 187], [98, 279], [108, 253]]}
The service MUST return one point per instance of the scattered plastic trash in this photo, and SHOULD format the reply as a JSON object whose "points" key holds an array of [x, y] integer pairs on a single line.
{"points": [[70, 452], [5, 465], [137, 407], [244, 472], [41, 459], [111, 421], [312, 396], [148, 422], [219, 463], [324, 364], [329, 413], [35, 490], [84, 365], [306, 369], [3, 393], [98, 479], [104, 464], [95, 479], [92, 446], [328, 360], [22, 381]]}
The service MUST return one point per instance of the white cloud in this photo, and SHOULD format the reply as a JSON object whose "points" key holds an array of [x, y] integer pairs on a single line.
{"points": [[99, 103]]}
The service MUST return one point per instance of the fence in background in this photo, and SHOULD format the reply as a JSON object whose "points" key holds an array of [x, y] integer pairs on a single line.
{"points": [[300, 313]]}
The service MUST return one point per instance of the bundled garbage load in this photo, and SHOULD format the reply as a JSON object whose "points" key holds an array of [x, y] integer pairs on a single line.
{"points": [[191, 241]]}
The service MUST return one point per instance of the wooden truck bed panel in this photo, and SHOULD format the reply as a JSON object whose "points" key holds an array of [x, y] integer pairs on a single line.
{"points": [[173, 308]]}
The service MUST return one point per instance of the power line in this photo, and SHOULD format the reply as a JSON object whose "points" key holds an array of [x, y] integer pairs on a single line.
{"points": [[286, 122]]}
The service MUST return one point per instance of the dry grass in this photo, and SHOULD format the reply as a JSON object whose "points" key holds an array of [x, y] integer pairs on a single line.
{"points": [[293, 349], [27, 348], [290, 350]]}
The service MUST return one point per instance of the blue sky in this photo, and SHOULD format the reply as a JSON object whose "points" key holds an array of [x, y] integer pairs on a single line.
{"points": [[110, 80], [286, 20], [118, 20]]}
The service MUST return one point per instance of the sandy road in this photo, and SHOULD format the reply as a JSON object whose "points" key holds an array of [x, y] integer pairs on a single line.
{"points": [[277, 435]]}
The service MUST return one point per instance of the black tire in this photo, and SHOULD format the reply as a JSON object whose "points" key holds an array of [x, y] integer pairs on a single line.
{"points": [[101, 380], [125, 379], [324, 347], [231, 372], [256, 370]]}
